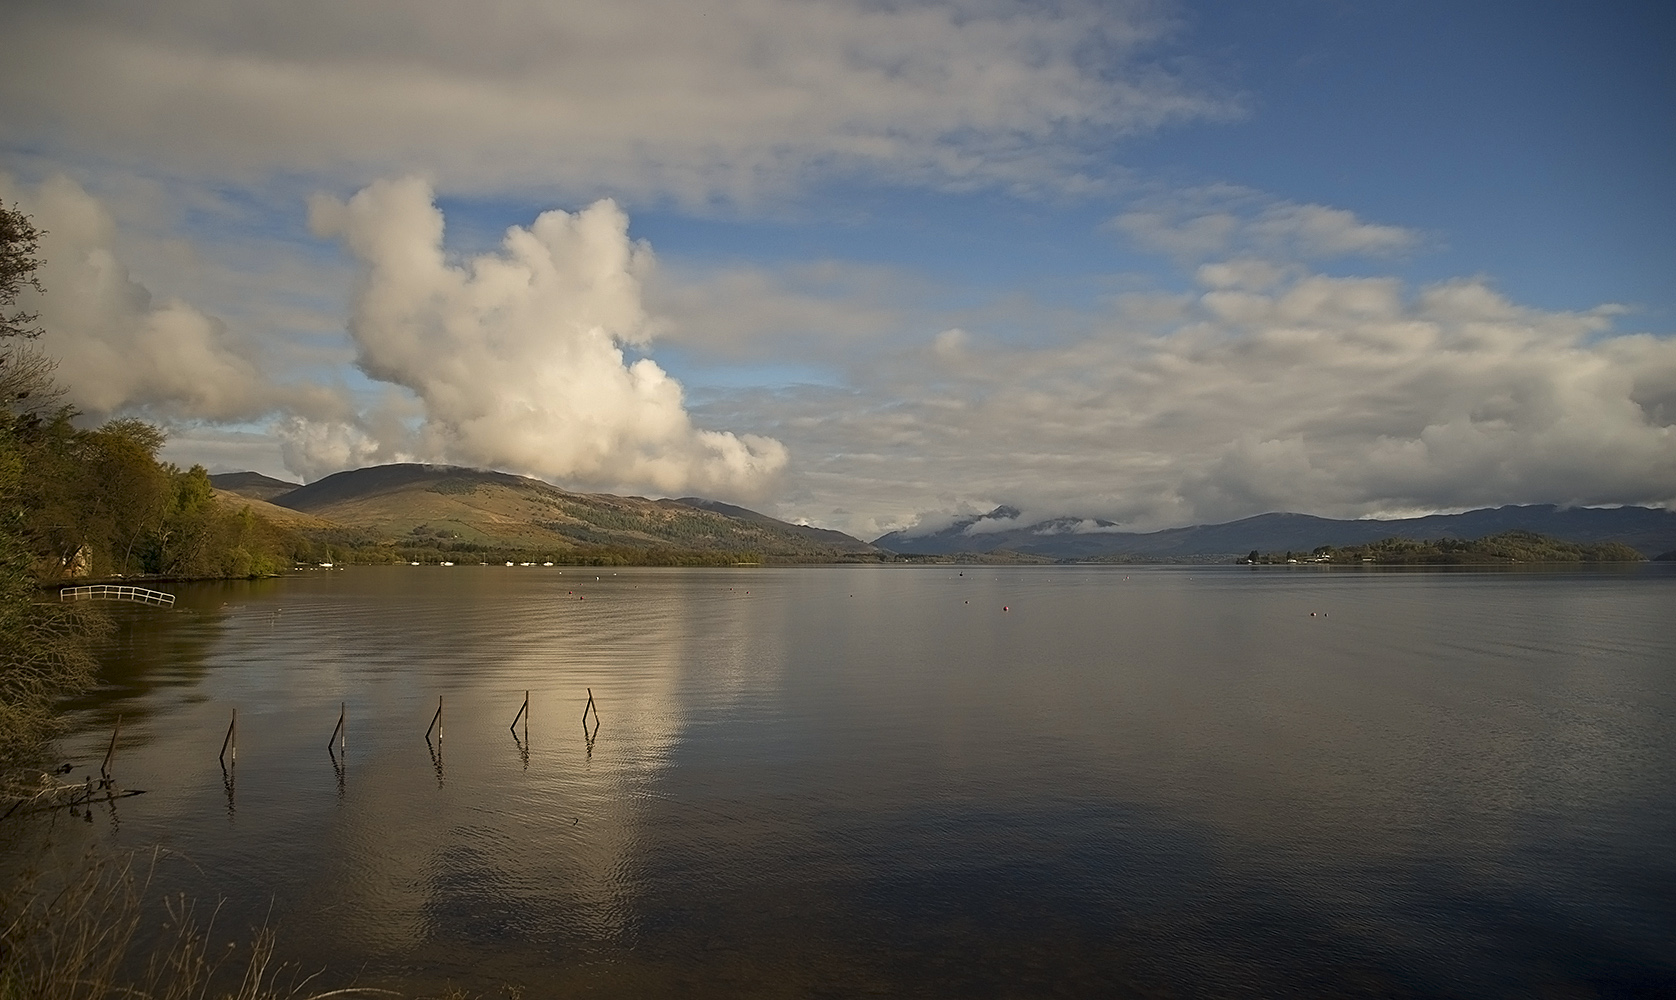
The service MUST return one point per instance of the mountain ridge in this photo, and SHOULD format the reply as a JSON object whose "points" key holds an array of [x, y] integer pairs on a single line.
{"points": [[1649, 530], [253, 485], [446, 508], [445, 505]]}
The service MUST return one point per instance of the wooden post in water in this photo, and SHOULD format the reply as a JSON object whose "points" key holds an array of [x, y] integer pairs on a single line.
{"points": [[587, 734], [231, 740], [340, 734], [105, 779], [523, 713], [436, 722]]}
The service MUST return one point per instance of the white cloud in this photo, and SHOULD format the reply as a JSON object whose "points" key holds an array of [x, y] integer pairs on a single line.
{"points": [[119, 349], [227, 449], [516, 357], [1335, 396], [1224, 220], [720, 100], [512, 361]]}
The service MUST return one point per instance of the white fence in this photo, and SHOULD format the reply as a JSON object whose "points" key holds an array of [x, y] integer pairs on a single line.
{"points": [[113, 592]]}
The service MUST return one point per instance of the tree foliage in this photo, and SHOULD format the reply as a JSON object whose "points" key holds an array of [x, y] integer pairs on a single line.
{"points": [[20, 243], [78, 502], [1507, 547], [98, 503], [43, 647]]}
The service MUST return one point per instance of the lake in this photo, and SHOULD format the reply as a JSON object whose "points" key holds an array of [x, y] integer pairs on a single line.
{"points": [[916, 781]]}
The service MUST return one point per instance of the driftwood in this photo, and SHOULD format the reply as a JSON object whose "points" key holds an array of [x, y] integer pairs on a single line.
{"points": [[47, 793]]}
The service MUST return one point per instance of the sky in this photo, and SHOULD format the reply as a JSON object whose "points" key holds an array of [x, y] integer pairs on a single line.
{"points": [[872, 264]]}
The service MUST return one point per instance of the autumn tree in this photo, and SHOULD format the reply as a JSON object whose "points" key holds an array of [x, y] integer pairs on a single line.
{"points": [[44, 648]]}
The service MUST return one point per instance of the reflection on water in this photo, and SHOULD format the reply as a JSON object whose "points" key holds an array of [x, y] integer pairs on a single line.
{"points": [[927, 781]]}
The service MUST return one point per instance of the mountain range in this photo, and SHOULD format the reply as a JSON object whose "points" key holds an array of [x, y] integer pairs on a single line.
{"points": [[1650, 531], [441, 506], [446, 507]]}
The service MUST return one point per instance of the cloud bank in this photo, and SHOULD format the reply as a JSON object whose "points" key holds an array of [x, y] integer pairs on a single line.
{"points": [[1267, 388], [721, 100], [121, 350], [515, 357]]}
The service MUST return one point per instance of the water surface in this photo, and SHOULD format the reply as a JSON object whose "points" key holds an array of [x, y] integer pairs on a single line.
{"points": [[929, 781]]}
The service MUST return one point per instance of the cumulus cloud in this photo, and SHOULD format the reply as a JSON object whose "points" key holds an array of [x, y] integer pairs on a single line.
{"points": [[1288, 391], [516, 358], [1226, 220], [120, 349], [719, 100]]}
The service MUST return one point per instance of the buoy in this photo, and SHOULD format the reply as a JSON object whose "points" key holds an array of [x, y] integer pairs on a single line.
{"points": [[1005, 608]]}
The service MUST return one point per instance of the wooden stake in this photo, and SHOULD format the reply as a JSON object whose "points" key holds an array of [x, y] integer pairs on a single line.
{"points": [[340, 733], [230, 741], [105, 769], [523, 713], [436, 722]]}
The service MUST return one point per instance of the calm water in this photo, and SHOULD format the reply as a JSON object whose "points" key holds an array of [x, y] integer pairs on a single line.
{"points": [[919, 781]]}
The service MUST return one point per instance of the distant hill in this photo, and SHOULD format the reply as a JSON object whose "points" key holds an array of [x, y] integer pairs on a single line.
{"points": [[1649, 531], [281, 516], [820, 536], [251, 484], [443, 505]]}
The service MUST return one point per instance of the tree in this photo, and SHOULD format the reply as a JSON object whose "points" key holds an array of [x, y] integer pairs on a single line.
{"points": [[44, 647], [20, 241], [26, 383]]}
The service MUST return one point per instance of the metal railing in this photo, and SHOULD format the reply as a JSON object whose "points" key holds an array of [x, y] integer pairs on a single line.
{"points": [[117, 592]]}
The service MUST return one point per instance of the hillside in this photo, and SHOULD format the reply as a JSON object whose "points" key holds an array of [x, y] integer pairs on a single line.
{"points": [[818, 536], [251, 484], [446, 508], [1649, 531], [282, 517]]}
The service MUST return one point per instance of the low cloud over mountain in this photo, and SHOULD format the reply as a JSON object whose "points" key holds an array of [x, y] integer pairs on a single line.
{"points": [[517, 358]]}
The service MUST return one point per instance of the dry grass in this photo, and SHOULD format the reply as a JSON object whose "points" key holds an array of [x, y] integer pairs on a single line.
{"points": [[89, 939]]}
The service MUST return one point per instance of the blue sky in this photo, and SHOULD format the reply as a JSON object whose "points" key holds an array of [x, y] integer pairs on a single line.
{"points": [[874, 266], [1532, 139], [1530, 142]]}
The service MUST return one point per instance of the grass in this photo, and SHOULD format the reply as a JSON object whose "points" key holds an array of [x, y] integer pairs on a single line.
{"points": [[99, 934]]}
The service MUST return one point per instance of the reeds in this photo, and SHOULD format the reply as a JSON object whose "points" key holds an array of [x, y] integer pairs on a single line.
{"points": [[88, 939]]}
